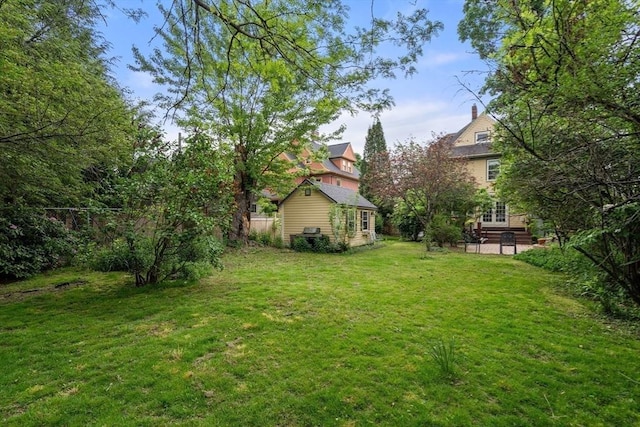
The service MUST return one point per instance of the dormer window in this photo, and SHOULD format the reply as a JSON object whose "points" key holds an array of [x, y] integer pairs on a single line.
{"points": [[482, 137], [346, 166]]}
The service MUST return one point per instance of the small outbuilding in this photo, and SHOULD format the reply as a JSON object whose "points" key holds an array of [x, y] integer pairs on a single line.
{"points": [[340, 213]]}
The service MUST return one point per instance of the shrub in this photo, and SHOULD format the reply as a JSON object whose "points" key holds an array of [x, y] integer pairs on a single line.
{"points": [[265, 239], [192, 259], [584, 279], [556, 259], [115, 257], [277, 242], [31, 242], [320, 245], [323, 245], [300, 244], [443, 232]]}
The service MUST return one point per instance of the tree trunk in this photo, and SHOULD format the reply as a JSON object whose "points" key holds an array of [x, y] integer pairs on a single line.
{"points": [[241, 220]]}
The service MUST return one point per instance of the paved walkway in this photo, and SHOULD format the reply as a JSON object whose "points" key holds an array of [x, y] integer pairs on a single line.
{"points": [[494, 248]]}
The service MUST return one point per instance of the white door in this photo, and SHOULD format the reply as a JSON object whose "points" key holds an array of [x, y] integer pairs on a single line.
{"points": [[496, 216]]}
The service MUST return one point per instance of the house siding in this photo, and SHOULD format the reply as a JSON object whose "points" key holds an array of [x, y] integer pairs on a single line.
{"points": [[477, 166], [300, 211], [468, 137]]}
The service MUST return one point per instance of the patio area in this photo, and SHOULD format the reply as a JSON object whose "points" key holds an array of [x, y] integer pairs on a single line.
{"points": [[494, 248]]}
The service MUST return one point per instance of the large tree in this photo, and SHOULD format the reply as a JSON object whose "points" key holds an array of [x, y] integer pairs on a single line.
{"points": [[262, 77], [566, 82], [60, 113], [374, 144], [173, 202]]}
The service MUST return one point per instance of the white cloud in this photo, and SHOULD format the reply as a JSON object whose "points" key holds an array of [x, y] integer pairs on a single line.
{"points": [[140, 82], [437, 59]]}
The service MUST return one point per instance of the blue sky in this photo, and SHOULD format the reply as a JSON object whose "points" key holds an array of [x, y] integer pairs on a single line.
{"points": [[430, 101]]}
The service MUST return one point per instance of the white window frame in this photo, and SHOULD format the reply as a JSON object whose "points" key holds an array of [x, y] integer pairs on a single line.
{"points": [[351, 220], [364, 220], [497, 215], [484, 138], [490, 170]]}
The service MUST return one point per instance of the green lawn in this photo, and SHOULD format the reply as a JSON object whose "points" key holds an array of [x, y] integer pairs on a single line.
{"points": [[290, 339]]}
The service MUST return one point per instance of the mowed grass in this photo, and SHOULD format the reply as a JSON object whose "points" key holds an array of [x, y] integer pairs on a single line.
{"points": [[288, 339]]}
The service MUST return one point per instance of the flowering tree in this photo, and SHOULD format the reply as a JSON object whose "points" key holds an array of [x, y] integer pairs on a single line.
{"points": [[425, 177]]}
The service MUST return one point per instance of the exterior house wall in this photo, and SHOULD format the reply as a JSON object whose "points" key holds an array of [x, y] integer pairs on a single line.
{"points": [[468, 136], [332, 179], [478, 169], [477, 165], [299, 211]]}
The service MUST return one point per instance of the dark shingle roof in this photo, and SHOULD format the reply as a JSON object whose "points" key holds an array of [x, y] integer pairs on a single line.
{"points": [[473, 150], [337, 194], [343, 195], [338, 150]]}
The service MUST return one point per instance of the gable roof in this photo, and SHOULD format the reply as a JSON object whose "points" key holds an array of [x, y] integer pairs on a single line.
{"points": [[336, 194], [473, 151], [335, 152], [338, 150]]}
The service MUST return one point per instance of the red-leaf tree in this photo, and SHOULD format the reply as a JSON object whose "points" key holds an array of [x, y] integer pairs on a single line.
{"points": [[426, 178]]}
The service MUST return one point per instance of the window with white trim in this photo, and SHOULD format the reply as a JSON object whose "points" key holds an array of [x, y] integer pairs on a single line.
{"points": [[364, 220], [493, 169], [488, 216], [351, 221], [501, 212], [482, 136]]}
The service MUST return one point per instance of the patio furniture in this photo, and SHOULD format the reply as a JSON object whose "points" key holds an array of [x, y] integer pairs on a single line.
{"points": [[508, 238], [472, 238]]}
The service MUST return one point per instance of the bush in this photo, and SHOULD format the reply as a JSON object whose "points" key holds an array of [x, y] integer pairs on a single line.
{"points": [[277, 242], [320, 245], [300, 244], [193, 259], [443, 232], [265, 239], [552, 258], [584, 278], [31, 242], [323, 245]]}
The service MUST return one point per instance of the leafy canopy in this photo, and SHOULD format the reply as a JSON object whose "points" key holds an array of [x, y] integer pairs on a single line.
{"points": [[567, 80]]}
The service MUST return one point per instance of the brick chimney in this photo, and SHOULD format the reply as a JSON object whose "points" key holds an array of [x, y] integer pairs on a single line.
{"points": [[474, 112]]}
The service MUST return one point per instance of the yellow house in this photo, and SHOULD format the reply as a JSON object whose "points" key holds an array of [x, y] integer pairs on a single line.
{"points": [[310, 205], [473, 143]]}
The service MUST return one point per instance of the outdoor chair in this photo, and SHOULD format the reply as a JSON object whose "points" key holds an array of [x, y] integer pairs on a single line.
{"points": [[472, 238], [508, 238]]}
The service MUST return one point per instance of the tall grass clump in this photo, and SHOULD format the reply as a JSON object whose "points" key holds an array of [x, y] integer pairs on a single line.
{"points": [[443, 354]]}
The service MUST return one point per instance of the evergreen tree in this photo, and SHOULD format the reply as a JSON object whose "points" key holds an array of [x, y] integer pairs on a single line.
{"points": [[374, 144]]}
